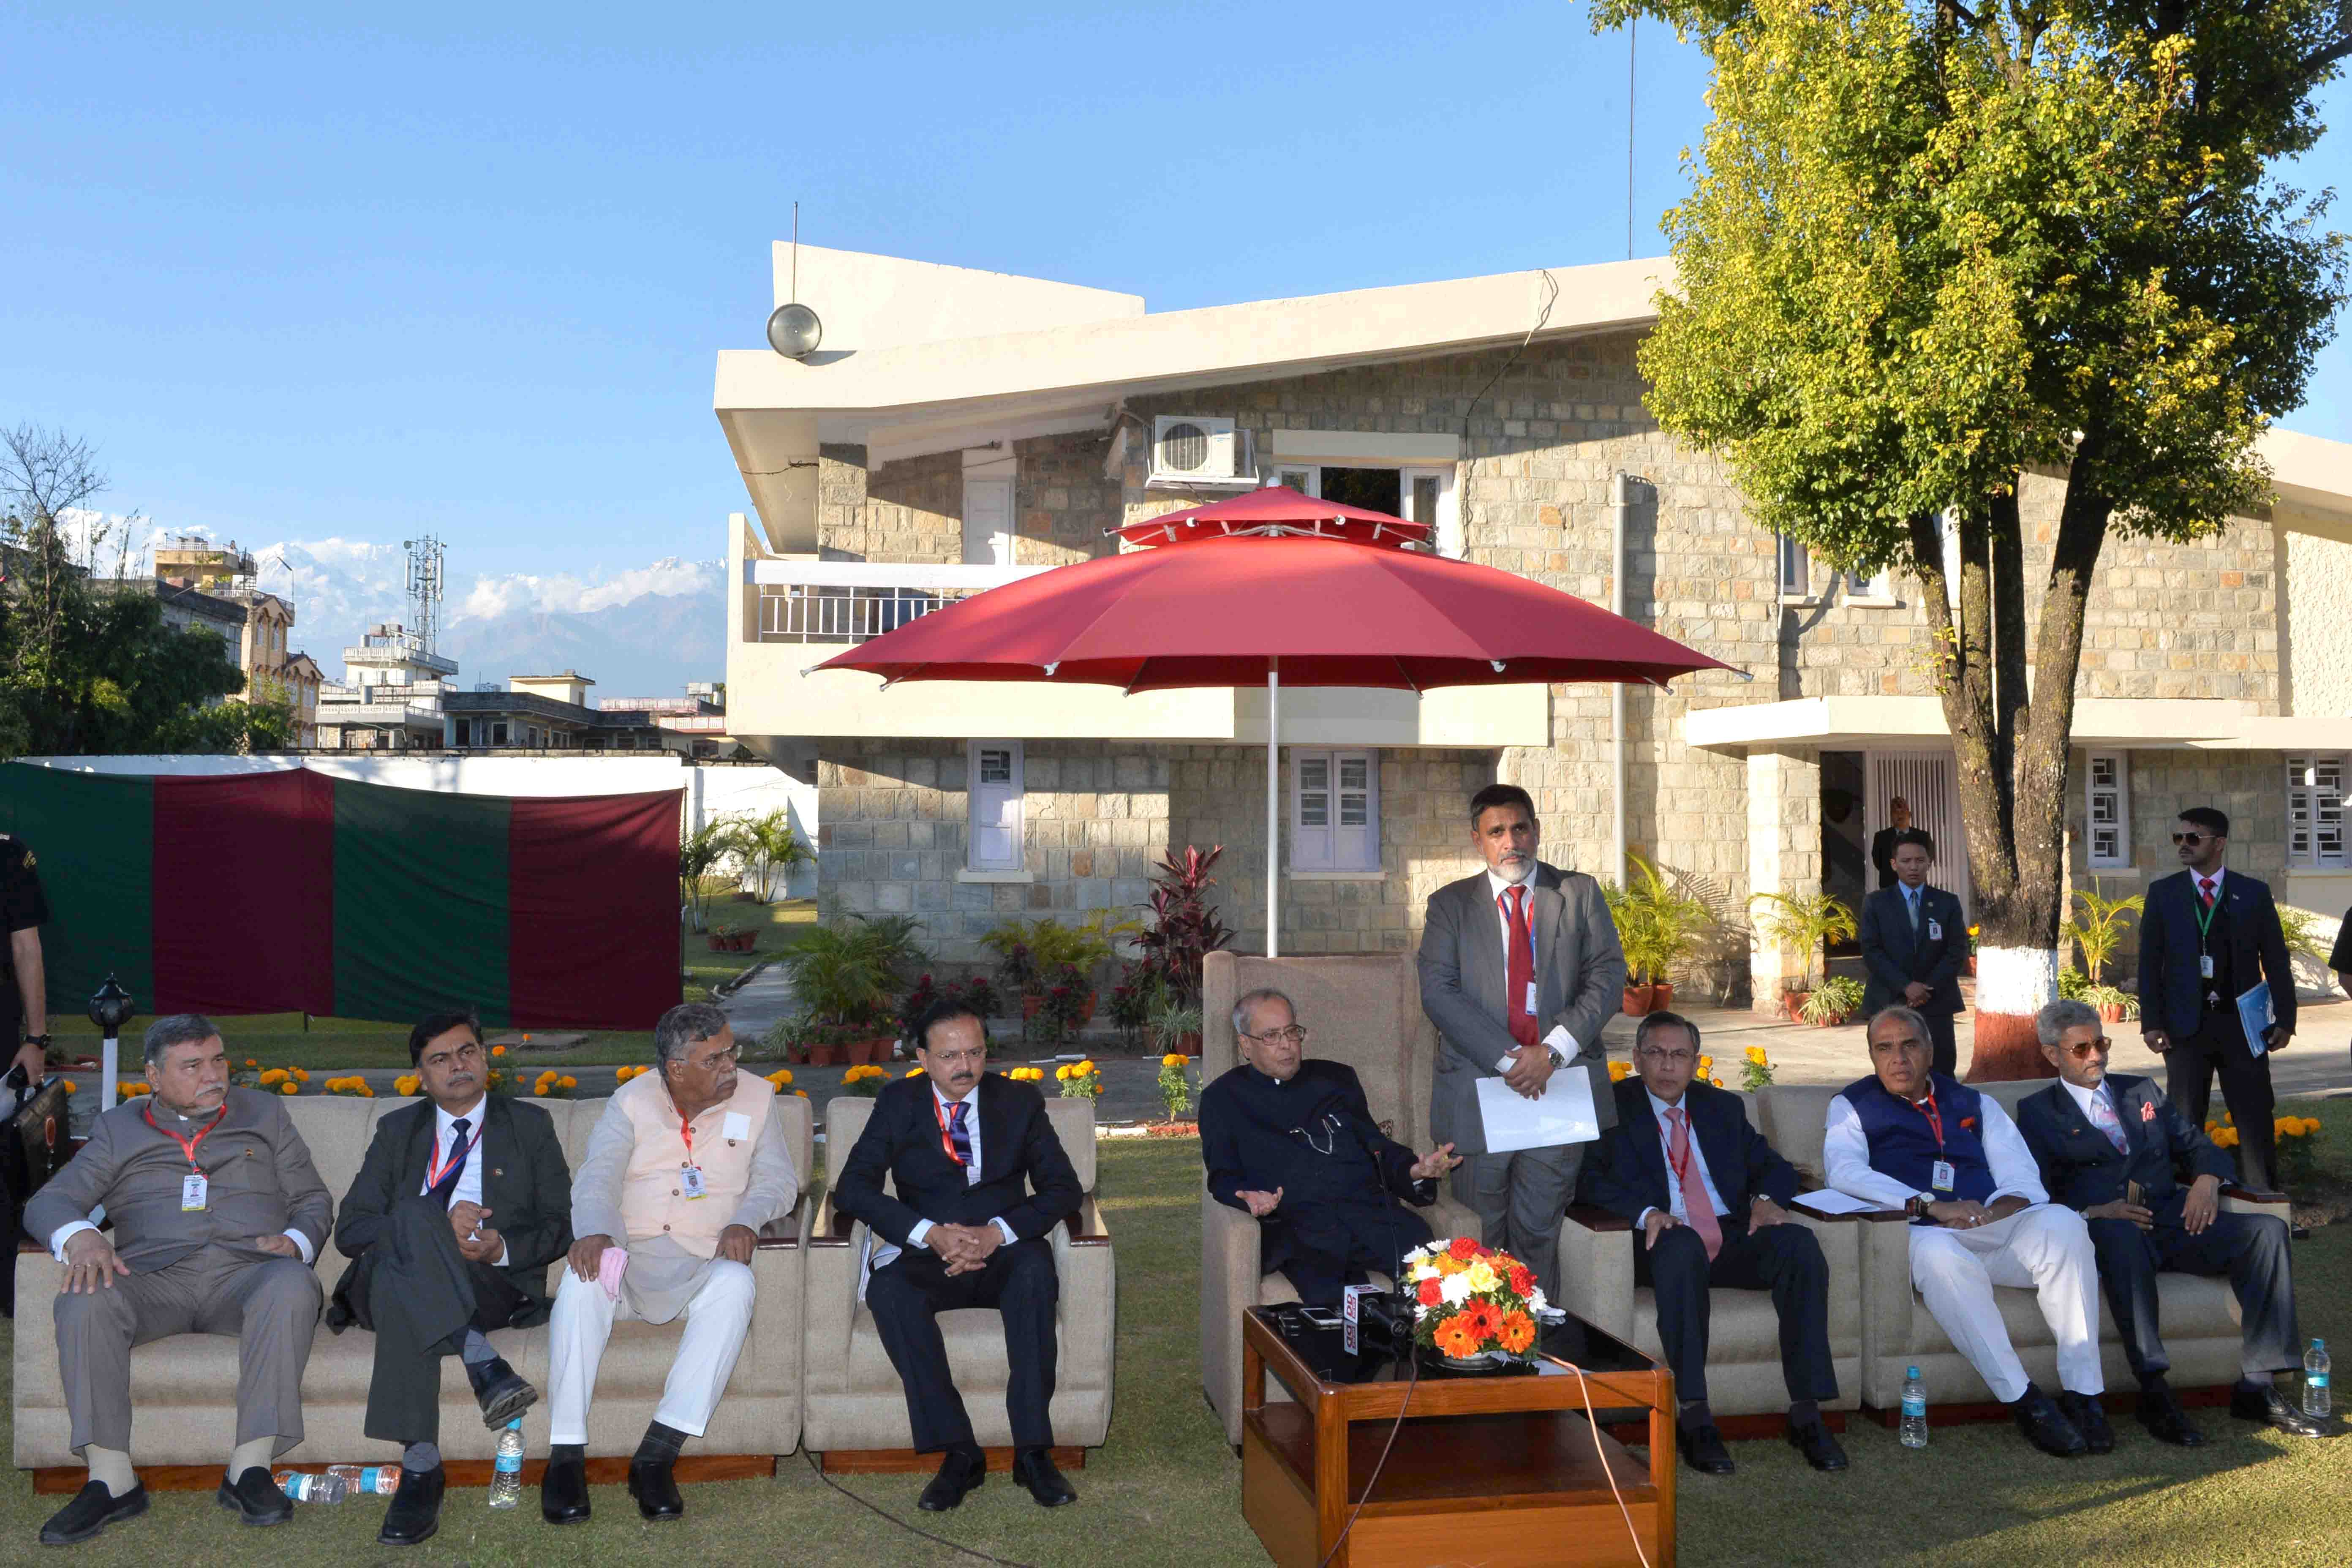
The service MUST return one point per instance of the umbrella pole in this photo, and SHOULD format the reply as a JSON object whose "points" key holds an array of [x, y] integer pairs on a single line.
{"points": [[1273, 796]]}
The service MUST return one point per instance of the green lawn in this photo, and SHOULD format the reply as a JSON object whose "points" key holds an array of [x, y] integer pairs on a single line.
{"points": [[277, 1039], [1167, 1491]]}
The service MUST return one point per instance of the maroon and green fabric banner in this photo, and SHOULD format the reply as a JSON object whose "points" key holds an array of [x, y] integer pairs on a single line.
{"points": [[292, 891]]}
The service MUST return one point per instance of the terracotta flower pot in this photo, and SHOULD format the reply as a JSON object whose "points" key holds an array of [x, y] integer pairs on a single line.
{"points": [[2111, 1012], [1794, 1003], [1189, 1044], [824, 1056], [1085, 1013], [1030, 1005], [1968, 964], [1637, 1001], [746, 940], [1662, 996], [718, 942]]}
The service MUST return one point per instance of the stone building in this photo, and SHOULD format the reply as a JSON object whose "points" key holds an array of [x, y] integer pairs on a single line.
{"points": [[927, 462]]}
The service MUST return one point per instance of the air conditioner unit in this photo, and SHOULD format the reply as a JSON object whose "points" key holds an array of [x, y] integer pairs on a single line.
{"points": [[1194, 449]]}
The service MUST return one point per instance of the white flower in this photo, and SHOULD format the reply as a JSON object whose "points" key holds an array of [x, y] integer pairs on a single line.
{"points": [[1455, 1291], [1423, 1271], [1535, 1300]]}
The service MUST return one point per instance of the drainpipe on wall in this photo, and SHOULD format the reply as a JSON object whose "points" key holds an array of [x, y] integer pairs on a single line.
{"points": [[1621, 500]]}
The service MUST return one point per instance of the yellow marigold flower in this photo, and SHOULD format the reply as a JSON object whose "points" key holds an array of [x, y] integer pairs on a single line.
{"points": [[273, 1077], [290, 1088], [1705, 1063], [1618, 1072], [70, 1088], [1716, 1081], [1174, 1060], [300, 1074], [1086, 1068], [780, 1077], [802, 1093], [404, 1084], [568, 1081], [915, 1072], [1756, 1054], [1063, 1071]]}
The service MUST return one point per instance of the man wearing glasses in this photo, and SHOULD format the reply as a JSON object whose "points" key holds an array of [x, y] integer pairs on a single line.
{"points": [[2207, 938], [462, 1202], [681, 1171], [2106, 1144], [1292, 1141], [1951, 1159], [1706, 1197]]}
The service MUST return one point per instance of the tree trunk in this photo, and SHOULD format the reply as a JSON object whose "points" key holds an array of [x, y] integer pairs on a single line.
{"points": [[2011, 745]]}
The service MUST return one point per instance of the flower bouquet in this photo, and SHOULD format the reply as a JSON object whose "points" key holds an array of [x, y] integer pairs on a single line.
{"points": [[1475, 1306]]}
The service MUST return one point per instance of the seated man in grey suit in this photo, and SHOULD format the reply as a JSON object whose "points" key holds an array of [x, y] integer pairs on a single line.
{"points": [[218, 1215]]}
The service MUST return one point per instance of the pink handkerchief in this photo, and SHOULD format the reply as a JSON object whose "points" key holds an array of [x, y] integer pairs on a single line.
{"points": [[608, 1271]]}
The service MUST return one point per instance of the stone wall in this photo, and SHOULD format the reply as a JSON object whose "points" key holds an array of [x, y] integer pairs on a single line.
{"points": [[2319, 633]]}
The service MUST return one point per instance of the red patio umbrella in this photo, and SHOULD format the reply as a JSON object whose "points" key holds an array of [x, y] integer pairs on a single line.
{"points": [[1273, 509], [1273, 608]]}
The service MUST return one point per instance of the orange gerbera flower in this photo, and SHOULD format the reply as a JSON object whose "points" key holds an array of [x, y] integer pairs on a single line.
{"points": [[1518, 1332], [1463, 1248], [1453, 1339], [1484, 1319]]}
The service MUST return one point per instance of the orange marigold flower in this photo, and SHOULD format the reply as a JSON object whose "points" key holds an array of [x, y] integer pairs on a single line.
{"points": [[498, 1051], [290, 1088], [1463, 1248], [1518, 1332]]}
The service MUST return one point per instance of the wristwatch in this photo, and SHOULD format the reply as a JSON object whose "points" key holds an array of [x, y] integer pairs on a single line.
{"points": [[1558, 1060], [1918, 1205]]}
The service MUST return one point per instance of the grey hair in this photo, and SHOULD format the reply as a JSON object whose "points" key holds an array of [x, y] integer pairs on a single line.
{"points": [[1250, 999], [2051, 1024], [1900, 1015], [178, 1029], [683, 1026]]}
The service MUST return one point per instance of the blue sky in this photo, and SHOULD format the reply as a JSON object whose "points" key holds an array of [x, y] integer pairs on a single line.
{"points": [[298, 276]]}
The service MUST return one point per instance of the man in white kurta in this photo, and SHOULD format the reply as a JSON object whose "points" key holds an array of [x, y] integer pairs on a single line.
{"points": [[1914, 1139], [681, 1171]]}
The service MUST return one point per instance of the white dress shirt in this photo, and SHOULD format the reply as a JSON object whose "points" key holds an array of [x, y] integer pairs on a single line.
{"points": [[1845, 1153], [1498, 887], [469, 1179], [2083, 1098], [884, 1251], [65, 1233], [1674, 1205]]}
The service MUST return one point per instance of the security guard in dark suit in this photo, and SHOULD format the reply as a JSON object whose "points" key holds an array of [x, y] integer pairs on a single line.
{"points": [[1914, 938], [24, 1000]]}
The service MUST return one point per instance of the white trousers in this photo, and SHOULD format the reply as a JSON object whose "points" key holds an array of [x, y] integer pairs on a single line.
{"points": [[717, 1315], [2044, 1248]]}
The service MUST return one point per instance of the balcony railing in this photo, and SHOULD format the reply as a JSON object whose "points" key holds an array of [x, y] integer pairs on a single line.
{"points": [[852, 601]]}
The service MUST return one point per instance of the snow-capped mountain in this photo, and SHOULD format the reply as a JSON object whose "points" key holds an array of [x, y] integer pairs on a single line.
{"points": [[642, 632]]}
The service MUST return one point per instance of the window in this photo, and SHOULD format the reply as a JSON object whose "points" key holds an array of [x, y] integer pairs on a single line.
{"points": [[994, 798], [2106, 808], [2314, 811], [1335, 811], [1418, 495], [1878, 585], [498, 733], [1796, 569]]}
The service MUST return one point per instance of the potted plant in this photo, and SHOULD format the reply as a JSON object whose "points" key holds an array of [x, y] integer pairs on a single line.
{"points": [[1180, 929], [1045, 952], [1133, 1001], [1062, 1005], [865, 1079], [846, 975], [769, 845], [2097, 929], [699, 854], [1655, 921], [1837, 1000], [1176, 1028], [1808, 922]]}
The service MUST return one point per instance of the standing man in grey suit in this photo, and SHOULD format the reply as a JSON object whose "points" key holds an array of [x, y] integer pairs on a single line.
{"points": [[1520, 969], [218, 1215]]}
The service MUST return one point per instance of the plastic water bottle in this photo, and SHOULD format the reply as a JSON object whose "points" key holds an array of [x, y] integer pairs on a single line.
{"points": [[304, 1487], [369, 1480], [506, 1481], [2315, 1380], [1914, 1409]]}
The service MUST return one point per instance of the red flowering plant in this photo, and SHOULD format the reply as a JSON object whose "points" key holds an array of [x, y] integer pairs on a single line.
{"points": [[1469, 1301]]}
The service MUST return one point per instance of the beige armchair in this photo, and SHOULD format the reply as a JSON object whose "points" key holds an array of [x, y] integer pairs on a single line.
{"points": [[855, 1401], [1743, 1362], [1365, 1012], [184, 1389], [2200, 1315]]}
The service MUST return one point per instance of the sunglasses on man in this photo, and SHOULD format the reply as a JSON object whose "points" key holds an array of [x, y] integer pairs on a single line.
{"points": [[2192, 840]]}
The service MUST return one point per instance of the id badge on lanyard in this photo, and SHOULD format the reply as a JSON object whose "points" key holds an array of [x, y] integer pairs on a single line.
{"points": [[194, 1190], [689, 1174], [1939, 1174]]}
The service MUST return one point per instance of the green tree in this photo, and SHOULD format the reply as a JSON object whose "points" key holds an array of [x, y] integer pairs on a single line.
{"points": [[1928, 249], [769, 846]]}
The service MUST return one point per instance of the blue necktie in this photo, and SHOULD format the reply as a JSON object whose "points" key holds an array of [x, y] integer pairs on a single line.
{"points": [[445, 1189], [958, 1134], [1911, 896]]}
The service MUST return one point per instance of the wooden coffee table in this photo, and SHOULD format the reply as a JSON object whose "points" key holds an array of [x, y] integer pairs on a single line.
{"points": [[1494, 1469]]}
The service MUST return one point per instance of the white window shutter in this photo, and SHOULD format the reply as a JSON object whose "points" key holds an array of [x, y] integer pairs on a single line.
{"points": [[995, 796]]}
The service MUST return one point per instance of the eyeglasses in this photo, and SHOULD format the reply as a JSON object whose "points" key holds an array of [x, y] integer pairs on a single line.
{"points": [[2193, 839], [2084, 1050], [1293, 1036], [717, 1059], [1678, 1058]]}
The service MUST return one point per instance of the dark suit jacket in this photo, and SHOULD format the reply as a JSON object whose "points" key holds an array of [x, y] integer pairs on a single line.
{"points": [[526, 1186], [1026, 1178], [1625, 1172], [1579, 981], [1895, 961], [2082, 1170], [1882, 853], [2171, 993]]}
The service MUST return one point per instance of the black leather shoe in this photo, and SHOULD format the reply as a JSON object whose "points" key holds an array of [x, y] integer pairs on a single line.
{"points": [[2046, 1427], [255, 1498], [92, 1509], [959, 1473], [2089, 1418], [2270, 1407], [1034, 1468], [1703, 1449], [656, 1492], [500, 1391], [415, 1510], [1820, 1450], [2166, 1421], [562, 1492]]}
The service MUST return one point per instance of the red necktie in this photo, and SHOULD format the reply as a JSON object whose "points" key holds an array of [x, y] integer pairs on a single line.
{"points": [[1700, 1213], [1520, 978], [2205, 890]]}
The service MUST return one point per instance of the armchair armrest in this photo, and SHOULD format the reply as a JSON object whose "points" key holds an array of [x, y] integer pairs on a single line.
{"points": [[2250, 1195], [1592, 1217], [1596, 1268]]}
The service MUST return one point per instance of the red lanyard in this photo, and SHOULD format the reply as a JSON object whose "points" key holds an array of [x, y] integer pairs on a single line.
{"points": [[1682, 1166], [436, 1167], [1935, 1120], [686, 1131], [187, 1145], [947, 1140]]}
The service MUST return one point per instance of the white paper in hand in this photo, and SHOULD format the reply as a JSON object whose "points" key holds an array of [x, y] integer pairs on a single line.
{"points": [[1564, 1114]]}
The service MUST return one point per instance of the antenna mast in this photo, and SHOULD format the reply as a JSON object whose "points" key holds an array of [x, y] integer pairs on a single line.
{"points": [[424, 578]]}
